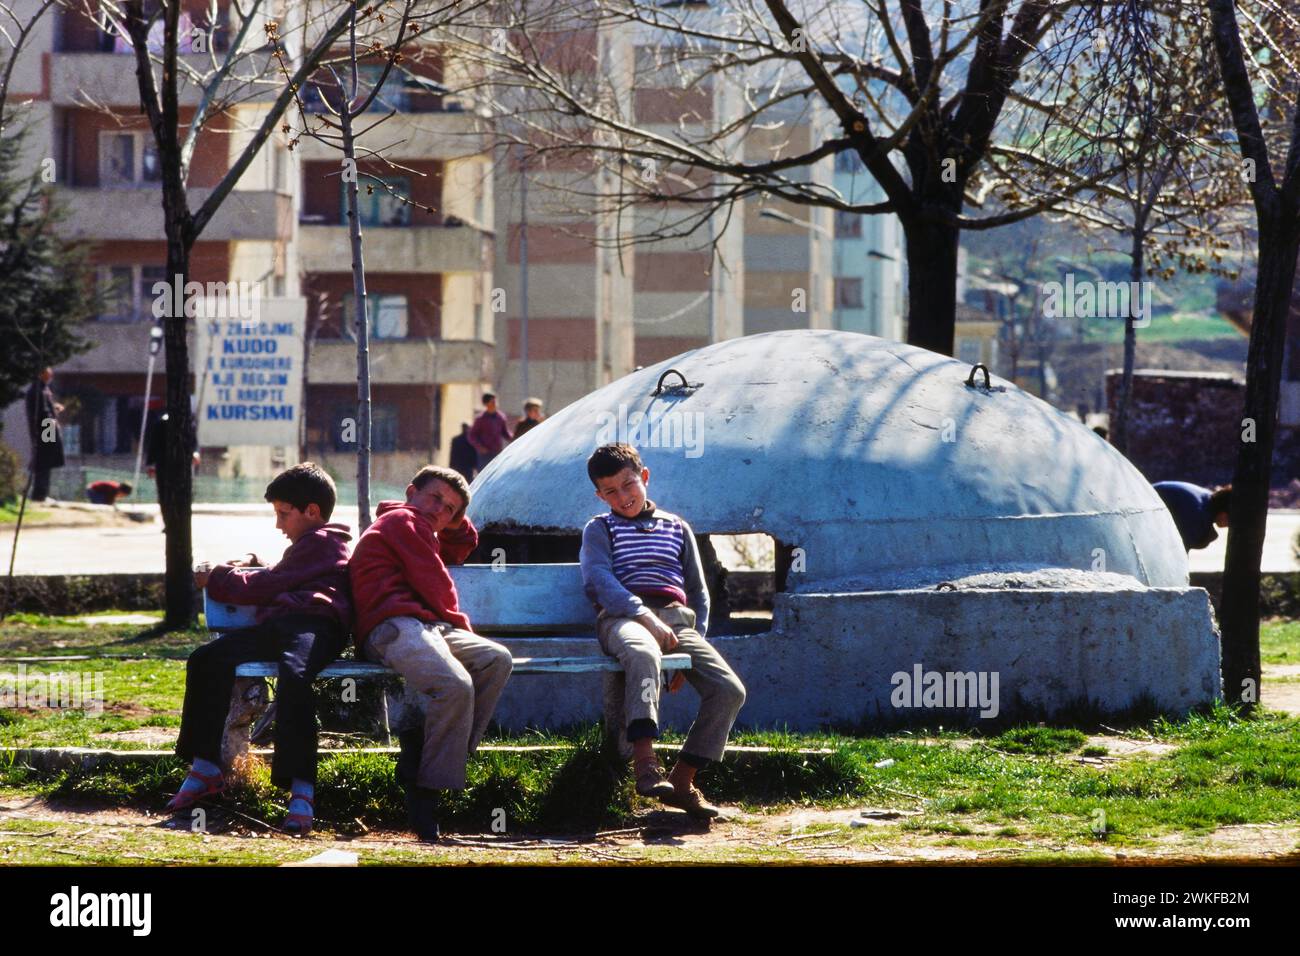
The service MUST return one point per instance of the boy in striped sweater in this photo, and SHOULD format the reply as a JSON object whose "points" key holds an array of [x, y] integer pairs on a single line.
{"points": [[641, 569]]}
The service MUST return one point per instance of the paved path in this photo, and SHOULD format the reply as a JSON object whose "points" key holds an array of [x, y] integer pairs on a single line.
{"points": [[226, 531], [139, 548]]}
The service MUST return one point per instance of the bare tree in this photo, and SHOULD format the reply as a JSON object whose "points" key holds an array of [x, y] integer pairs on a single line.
{"points": [[1257, 54], [335, 124], [1176, 185], [951, 104], [246, 73]]}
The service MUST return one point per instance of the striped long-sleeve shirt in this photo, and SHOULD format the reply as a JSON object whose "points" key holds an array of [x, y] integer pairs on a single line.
{"points": [[653, 554]]}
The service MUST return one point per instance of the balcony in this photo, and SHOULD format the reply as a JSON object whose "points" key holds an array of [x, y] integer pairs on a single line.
{"points": [[402, 362], [136, 214], [109, 79], [326, 248], [430, 135]]}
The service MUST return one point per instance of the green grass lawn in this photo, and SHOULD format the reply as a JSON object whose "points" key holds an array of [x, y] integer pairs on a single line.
{"points": [[1170, 328], [1039, 783], [1279, 642], [34, 515]]}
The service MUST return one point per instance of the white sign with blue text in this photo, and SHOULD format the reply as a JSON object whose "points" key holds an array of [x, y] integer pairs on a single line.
{"points": [[250, 382]]}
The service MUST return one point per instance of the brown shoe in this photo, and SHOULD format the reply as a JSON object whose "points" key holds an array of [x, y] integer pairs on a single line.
{"points": [[651, 782], [693, 802]]}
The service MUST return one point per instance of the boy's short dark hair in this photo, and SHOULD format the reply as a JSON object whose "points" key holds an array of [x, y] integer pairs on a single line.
{"points": [[124, 488], [608, 460], [304, 484], [488, 397], [454, 478], [1221, 499]]}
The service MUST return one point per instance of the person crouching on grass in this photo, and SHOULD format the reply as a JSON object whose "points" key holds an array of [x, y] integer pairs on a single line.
{"points": [[641, 569], [304, 619]]}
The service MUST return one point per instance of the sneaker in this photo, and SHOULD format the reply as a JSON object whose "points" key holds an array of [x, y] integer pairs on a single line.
{"points": [[651, 782], [693, 802]]}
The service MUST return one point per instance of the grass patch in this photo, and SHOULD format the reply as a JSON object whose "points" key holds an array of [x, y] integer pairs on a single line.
{"points": [[135, 693], [1168, 327], [9, 514], [39, 635], [1038, 740], [1224, 772], [1279, 642]]}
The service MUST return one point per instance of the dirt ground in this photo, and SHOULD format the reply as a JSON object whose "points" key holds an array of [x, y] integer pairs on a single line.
{"points": [[33, 830]]}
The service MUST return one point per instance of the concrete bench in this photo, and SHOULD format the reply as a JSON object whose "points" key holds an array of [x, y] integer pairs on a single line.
{"points": [[523, 602]]}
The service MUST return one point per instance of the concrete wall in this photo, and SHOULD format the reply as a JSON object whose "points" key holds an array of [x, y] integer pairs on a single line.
{"points": [[830, 659], [1182, 426]]}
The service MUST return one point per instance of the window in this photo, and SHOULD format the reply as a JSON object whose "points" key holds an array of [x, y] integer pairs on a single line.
{"points": [[392, 96], [121, 41], [848, 225], [128, 158], [116, 288], [387, 316], [848, 161], [383, 427], [127, 292], [149, 277], [848, 293], [968, 350], [72, 439], [380, 203]]}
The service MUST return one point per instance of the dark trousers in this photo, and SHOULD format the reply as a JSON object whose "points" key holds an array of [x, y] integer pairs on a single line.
{"points": [[304, 645], [40, 484]]}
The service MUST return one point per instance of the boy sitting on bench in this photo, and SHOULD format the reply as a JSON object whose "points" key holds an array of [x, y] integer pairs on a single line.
{"points": [[409, 619], [641, 569], [304, 616]]}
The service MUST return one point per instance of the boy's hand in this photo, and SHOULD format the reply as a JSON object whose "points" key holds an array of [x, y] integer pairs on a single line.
{"points": [[201, 579], [660, 631]]}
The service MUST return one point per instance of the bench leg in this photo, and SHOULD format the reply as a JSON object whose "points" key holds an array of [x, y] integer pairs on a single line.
{"points": [[615, 722], [248, 701], [383, 715]]}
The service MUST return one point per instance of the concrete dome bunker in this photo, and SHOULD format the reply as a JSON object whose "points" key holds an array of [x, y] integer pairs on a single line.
{"points": [[942, 528]]}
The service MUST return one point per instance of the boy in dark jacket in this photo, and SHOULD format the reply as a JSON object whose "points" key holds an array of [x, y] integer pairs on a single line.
{"points": [[409, 619], [304, 617]]}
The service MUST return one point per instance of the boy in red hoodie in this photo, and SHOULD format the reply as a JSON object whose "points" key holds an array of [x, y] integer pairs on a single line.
{"points": [[409, 619], [304, 616]]}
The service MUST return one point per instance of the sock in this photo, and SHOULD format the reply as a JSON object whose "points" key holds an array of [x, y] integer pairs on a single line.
{"points": [[301, 788], [205, 767]]}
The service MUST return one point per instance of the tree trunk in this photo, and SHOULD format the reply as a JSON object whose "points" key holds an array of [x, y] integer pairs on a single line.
{"points": [[1279, 244], [176, 487], [931, 283], [363, 328], [1119, 427]]}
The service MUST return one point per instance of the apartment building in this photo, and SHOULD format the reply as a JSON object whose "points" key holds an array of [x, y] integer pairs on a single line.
{"points": [[565, 291], [870, 258], [765, 265], [282, 230]]}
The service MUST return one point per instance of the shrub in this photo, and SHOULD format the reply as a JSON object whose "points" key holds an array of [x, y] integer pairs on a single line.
{"points": [[12, 473]]}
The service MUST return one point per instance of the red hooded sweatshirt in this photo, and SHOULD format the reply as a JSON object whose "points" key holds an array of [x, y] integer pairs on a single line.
{"points": [[399, 569], [310, 578]]}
